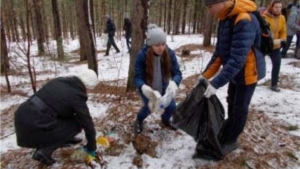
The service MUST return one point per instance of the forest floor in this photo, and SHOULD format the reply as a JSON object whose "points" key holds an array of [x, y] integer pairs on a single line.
{"points": [[265, 143]]}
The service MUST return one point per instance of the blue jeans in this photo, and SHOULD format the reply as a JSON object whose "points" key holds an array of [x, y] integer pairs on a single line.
{"points": [[238, 99], [276, 62], [144, 111]]}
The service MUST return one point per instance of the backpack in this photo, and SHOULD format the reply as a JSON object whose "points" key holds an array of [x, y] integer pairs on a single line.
{"points": [[266, 42]]}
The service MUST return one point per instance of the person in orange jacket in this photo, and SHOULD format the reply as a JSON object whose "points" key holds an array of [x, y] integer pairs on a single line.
{"points": [[278, 27]]}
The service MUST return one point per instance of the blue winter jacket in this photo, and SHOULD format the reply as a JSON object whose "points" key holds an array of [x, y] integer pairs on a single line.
{"points": [[140, 69], [237, 48]]}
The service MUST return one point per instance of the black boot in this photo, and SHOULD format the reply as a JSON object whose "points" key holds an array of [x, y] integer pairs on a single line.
{"points": [[138, 126], [43, 155], [169, 125]]}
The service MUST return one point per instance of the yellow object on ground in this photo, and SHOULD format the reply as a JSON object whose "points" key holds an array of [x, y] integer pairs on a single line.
{"points": [[103, 141]]}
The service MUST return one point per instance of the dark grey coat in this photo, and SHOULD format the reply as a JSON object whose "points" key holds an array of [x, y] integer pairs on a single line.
{"points": [[65, 116]]}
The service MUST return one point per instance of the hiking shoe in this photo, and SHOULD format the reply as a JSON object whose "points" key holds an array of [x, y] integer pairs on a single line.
{"points": [[168, 125], [137, 126], [275, 88], [229, 146], [42, 157]]}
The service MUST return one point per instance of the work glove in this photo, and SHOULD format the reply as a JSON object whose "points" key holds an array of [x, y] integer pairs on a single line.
{"points": [[277, 41], [201, 77], [153, 96], [210, 90], [169, 95], [91, 155]]}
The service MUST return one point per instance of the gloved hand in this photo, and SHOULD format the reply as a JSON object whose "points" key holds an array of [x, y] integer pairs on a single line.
{"points": [[277, 41], [210, 90], [91, 155], [201, 77], [169, 95], [172, 88], [153, 96]]}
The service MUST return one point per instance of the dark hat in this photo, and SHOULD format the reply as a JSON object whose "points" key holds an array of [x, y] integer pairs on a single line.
{"points": [[210, 2]]}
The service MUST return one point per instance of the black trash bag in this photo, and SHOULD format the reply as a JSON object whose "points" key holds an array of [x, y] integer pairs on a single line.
{"points": [[203, 119]]}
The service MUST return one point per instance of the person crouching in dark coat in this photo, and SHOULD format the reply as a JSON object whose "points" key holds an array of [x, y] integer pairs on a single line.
{"points": [[55, 114]]}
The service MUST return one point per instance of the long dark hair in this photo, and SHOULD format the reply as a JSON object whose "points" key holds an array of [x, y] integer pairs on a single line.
{"points": [[165, 64]]}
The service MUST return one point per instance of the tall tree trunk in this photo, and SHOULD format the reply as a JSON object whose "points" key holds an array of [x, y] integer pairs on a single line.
{"points": [[13, 21], [169, 16], [86, 34], [184, 16], [22, 26], [165, 15], [39, 25], [160, 12], [208, 29], [57, 30], [30, 68], [4, 56], [139, 18], [64, 22], [176, 14], [47, 30], [195, 14]]}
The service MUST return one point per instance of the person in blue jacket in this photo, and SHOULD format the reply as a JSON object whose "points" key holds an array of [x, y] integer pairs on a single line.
{"points": [[243, 64], [157, 77]]}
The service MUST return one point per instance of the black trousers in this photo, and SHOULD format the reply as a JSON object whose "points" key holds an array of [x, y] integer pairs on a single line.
{"points": [[111, 41], [238, 99]]}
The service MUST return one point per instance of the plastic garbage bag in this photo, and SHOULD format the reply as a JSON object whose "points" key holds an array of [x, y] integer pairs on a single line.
{"points": [[203, 119]]}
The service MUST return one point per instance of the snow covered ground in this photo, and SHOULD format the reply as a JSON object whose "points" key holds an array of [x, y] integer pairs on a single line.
{"points": [[174, 149]]}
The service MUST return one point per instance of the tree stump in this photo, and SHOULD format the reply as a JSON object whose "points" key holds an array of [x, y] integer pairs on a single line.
{"points": [[185, 52]]}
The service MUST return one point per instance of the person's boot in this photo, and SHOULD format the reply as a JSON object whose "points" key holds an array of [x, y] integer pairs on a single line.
{"points": [[43, 156], [275, 88], [137, 126], [168, 125]]}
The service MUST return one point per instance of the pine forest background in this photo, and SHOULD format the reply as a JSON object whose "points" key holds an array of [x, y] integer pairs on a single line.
{"points": [[47, 20]]}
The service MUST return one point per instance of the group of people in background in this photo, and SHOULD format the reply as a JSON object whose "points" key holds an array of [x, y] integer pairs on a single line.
{"points": [[53, 116], [284, 24], [110, 30]]}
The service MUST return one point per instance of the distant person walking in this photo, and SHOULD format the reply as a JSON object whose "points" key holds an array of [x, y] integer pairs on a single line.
{"points": [[110, 30], [128, 30], [292, 28], [278, 27]]}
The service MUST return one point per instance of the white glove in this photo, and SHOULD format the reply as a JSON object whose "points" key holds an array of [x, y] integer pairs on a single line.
{"points": [[153, 96], [148, 92], [153, 104], [201, 77], [169, 95], [172, 88], [277, 41], [210, 90], [165, 101]]}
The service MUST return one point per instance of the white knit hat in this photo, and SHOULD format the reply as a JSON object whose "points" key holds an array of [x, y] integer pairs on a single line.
{"points": [[88, 77], [155, 35]]}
